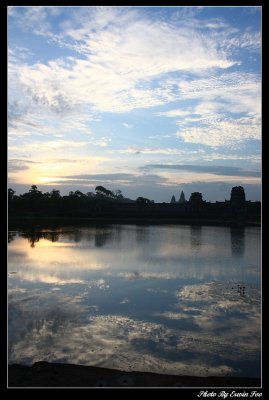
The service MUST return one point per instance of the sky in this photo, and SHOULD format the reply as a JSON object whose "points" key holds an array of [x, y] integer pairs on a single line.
{"points": [[148, 100]]}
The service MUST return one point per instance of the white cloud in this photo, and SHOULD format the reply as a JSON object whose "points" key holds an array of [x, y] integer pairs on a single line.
{"points": [[248, 40], [175, 179], [119, 59], [19, 54], [147, 150], [35, 18], [55, 145], [217, 97], [215, 24], [219, 156], [126, 125], [222, 131], [174, 113], [236, 92]]}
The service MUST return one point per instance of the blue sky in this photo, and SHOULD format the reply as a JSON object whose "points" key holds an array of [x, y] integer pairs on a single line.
{"points": [[149, 100]]}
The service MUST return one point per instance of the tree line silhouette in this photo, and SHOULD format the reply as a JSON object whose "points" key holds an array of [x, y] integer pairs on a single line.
{"points": [[104, 203], [76, 203]]}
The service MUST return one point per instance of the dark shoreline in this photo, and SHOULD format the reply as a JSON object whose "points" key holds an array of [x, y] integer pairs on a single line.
{"points": [[31, 220], [44, 374]]}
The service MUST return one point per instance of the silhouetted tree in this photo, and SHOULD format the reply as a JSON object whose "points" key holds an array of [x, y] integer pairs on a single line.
{"points": [[55, 194], [118, 194], [33, 191], [100, 190], [32, 201], [143, 200], [34, 194], [78, 193], [173, 199], [11, 194]]}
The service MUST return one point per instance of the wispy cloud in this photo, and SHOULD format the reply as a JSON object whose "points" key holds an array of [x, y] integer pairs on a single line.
{"points": [[212, 169], [115, 176], [154, 150], [215, 132], [253, 159], [138, 179], [34, 18], [187, 155], [19, 54], [126, 125], [15, 165], [227, 109], [175, 113], [249, 40], [236, 91], [118, 58], [56, 145]]}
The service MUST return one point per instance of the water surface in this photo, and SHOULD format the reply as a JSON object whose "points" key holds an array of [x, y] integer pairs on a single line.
{"points": [[175, 299]]}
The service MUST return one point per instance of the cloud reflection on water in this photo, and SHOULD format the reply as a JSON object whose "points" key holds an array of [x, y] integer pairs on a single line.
{"points": [[65, 329], [108, 341], [125, 304]]}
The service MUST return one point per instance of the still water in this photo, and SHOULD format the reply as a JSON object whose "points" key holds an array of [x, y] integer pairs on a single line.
{"points": [[175, 299]]}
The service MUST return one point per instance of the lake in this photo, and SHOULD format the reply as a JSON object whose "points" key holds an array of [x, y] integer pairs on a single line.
{"points": [[176, 299]]}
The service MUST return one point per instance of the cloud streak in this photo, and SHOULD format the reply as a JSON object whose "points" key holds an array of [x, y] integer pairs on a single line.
{"points": [[212, 169], [15, 165], [116, 178]]}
